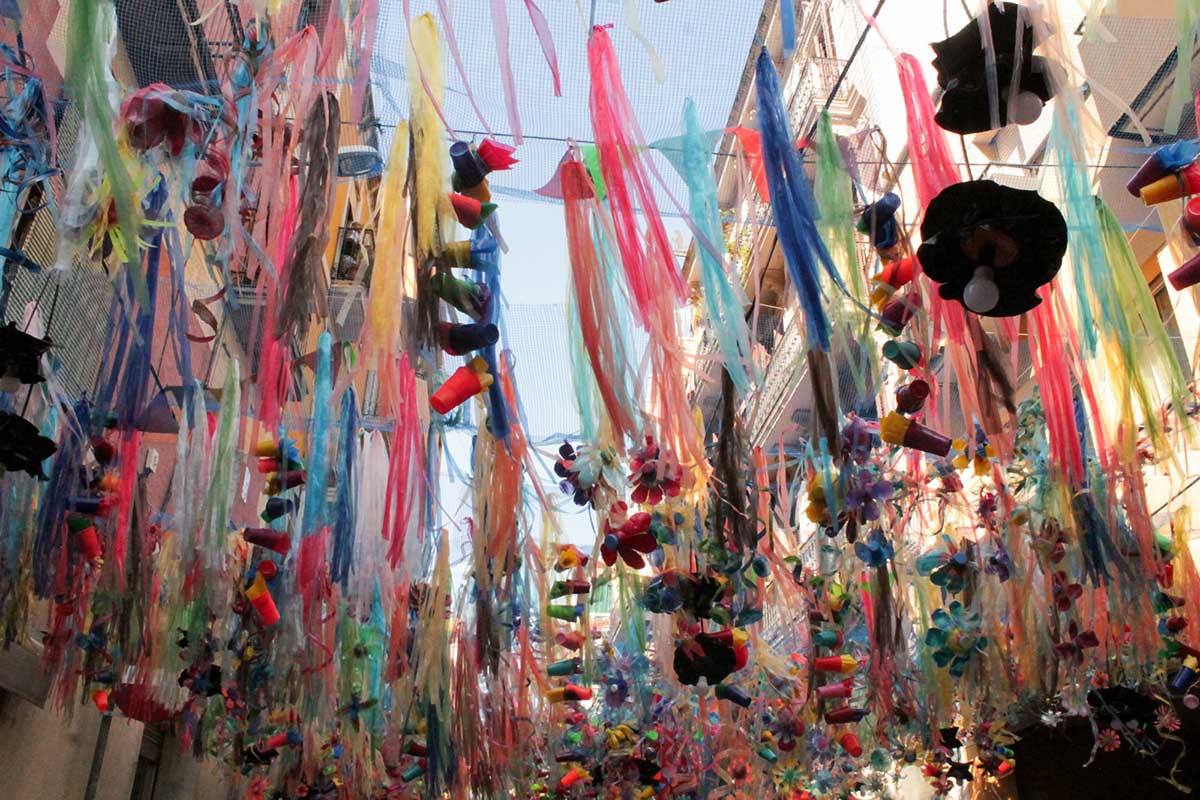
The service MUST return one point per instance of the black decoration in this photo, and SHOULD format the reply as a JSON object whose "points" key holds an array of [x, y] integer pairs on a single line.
{"points": [[704, 657], [949, 737], [963, 75], [20, 354], [1016, 233], [960, 771], [22, 447]]}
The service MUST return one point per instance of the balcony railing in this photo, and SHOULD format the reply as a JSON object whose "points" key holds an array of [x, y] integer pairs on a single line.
{"points": [[355, 255]]}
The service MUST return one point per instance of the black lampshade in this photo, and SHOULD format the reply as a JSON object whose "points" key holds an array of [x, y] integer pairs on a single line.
{"points": [[22, 447], [963, 75], [1016, 234]]}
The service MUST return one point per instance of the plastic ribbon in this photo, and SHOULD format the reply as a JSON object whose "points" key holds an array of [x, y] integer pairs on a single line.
{"points": [[507, 82], [341, 559], [793, 205], [546, 40], [452, 46], [315, 503], [635, 27]]}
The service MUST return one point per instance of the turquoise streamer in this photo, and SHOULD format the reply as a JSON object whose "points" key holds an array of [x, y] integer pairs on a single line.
{"points": [[723, 299], [1086, 249], [315, 506], [587, 397]]}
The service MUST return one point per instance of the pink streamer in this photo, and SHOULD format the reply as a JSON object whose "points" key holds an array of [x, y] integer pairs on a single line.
{"points": [[128, 471], [1052, 373], [402, 498], [452, 44], [500, 32], [649, 269], [933, 166], [538, 19]]}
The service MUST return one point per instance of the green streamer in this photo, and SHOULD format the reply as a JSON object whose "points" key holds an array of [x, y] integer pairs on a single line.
{"points": [[90, 35], [1147, 359], [835, 199]]}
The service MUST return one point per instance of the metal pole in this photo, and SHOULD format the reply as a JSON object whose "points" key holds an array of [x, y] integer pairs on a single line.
{"points": [[98, 758], [846, 69]]}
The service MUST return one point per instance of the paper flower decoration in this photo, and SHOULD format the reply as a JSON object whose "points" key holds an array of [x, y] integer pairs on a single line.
{"points": [[1065, 593], [1165, 719], [570, 557], [817, 509], [1109, 740], [979, 456], [698, 595], [946, 566], [998, 562], [1076, 643], [654, 474], [876, 551], [864, 492], [858, 439], [955, 638], [628, 537], [586, 470]]}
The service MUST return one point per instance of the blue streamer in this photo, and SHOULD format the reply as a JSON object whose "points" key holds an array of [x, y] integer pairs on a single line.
{"points": [[52, 508], [787, 22], [793, 205], [482, 241], [123, 391], [341, 559]]}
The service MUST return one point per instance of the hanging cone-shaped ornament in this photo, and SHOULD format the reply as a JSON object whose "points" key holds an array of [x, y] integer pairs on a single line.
{"points": [[276, 508], [836, 691], [87, 541], [284, 739], [458, 340], [277, 541], [910, 397], [1183, 183], [278, 449], [568, 694], [260, 597], [899, 430], [282, 481], [1163, 162], [1188, 274], [466, 382], [897, 313], [842, 664], [478, 252], [905, 355], [844, 715], [470, 212], [469, 297], [893, 276], [469, 169], [568, 666]]}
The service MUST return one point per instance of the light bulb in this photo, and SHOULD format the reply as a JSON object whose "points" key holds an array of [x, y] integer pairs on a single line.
{"points": [[1025, 108], [981, 294]]}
